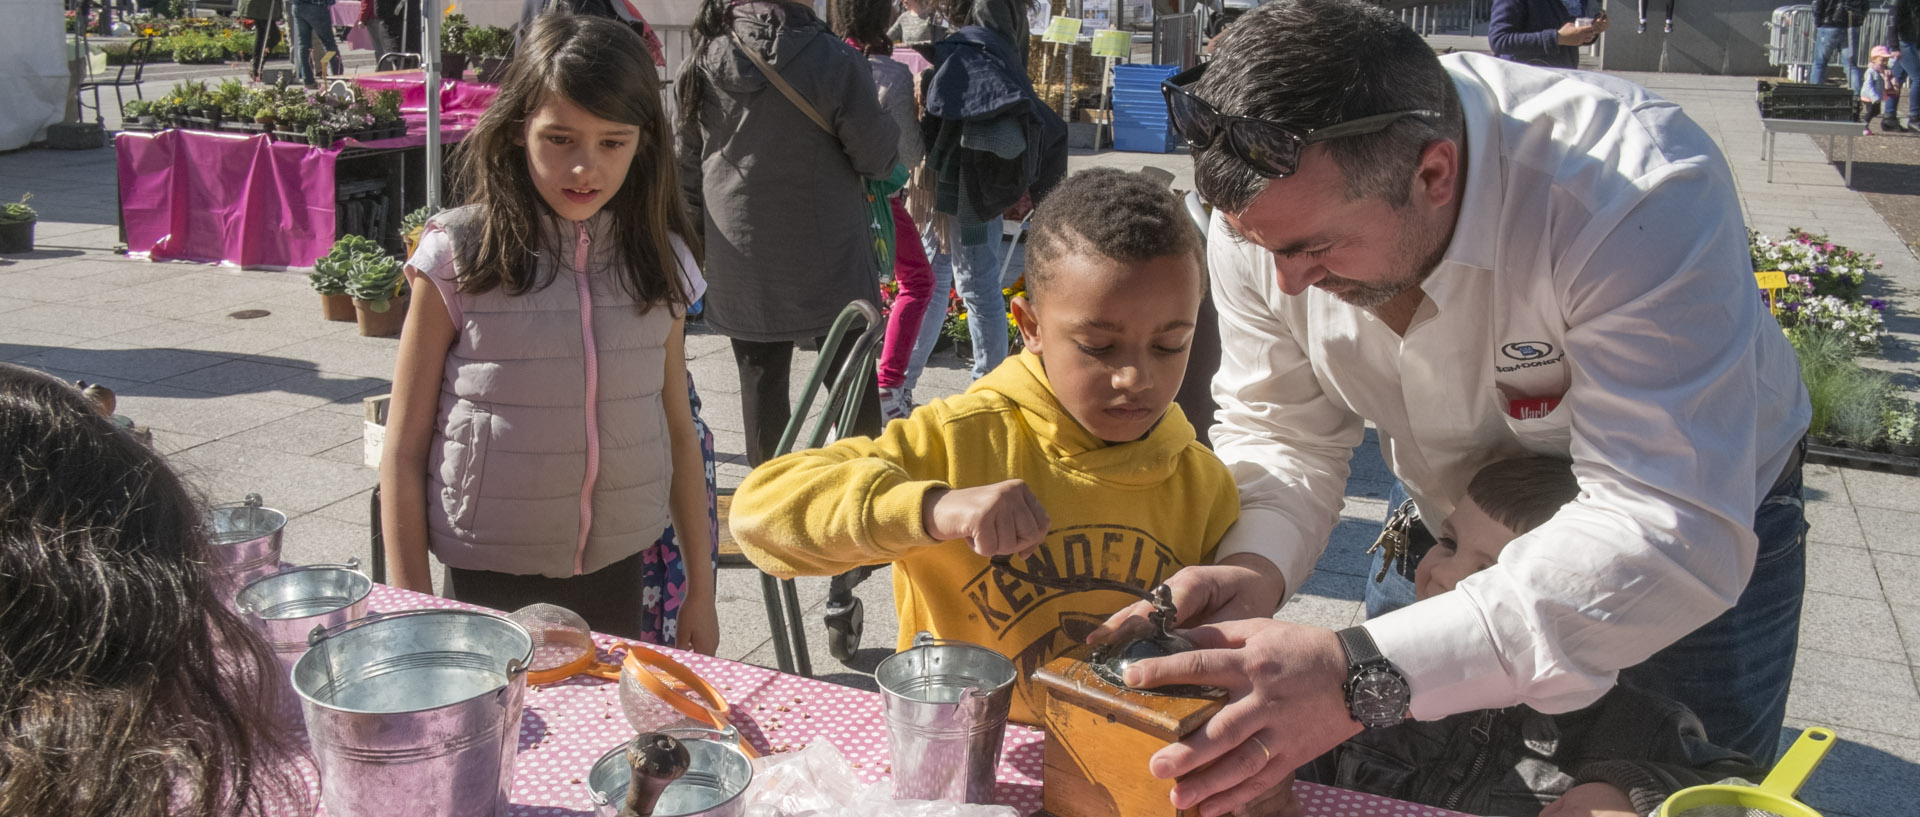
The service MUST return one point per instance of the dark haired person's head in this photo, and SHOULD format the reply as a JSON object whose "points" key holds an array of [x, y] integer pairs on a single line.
{"points": [[130, 688], [1505, 499], [1364, 216], [578, 127], [864, 22], [1115, 274]]}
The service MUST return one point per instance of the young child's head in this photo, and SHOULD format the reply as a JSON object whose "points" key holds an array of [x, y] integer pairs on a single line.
{"points": [[1879, 57], [577, 128], [130, 687], [1114, 279], [864, 22], [1505, 499]]}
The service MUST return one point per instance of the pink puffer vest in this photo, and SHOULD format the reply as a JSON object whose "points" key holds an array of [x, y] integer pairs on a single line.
{"points": [[554, 457]]}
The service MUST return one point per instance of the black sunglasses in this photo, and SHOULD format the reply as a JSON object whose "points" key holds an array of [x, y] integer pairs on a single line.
{"points": [[1270, 148]]}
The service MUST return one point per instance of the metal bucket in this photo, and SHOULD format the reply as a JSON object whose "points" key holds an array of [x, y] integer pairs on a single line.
{"points": [[946, 704], [714, 786], [246, 542], [415, 712], [286, 607]]}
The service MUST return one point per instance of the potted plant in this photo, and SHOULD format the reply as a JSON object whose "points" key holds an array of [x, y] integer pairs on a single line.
{"points": [[490, 45], [379, 291], [330, 273], [138, 115], [411, 225], [1902, 423], [16, 226], [453, 46]]}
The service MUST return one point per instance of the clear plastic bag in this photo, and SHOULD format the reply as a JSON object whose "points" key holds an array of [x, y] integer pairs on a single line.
{"points": [[818, 782]]}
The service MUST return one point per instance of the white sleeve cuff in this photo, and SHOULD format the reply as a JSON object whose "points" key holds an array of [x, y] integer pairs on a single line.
{"points": [[1443, 649]]}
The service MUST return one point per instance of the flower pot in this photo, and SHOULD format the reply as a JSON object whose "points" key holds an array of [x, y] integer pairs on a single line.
{"points": [[490, 70], [17, 236], [337, 307], [381, 324], [453, 66]]}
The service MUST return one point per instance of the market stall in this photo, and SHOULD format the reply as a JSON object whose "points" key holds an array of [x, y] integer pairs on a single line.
{"points": [[268, 201], [566, 726]]}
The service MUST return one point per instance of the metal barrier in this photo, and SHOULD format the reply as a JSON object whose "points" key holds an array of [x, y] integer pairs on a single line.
{"points": [[1177, 40], [1791, 32], [676, 47], [1450, 17]]}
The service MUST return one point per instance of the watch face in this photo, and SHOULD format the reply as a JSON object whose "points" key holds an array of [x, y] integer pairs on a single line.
{"points": [[1379, 697]]}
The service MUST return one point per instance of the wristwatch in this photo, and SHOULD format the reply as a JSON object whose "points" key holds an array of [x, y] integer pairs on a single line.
{"points": [[1377, 694]]}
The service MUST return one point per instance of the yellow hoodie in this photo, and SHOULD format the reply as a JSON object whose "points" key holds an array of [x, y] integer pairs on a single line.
{"points": [[1132, 512]]}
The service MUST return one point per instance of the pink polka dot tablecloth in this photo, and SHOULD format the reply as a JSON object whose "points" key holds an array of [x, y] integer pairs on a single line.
{"points": [[567, 726]]}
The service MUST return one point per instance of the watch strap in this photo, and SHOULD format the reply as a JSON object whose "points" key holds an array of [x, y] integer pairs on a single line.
{"points": [[1359, 646]]}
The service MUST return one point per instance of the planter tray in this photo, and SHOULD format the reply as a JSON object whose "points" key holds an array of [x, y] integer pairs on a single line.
{"points": [[1819, 454]]}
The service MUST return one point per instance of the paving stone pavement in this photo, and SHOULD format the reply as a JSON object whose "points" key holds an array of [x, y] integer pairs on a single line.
{"points": [[273, 405]]}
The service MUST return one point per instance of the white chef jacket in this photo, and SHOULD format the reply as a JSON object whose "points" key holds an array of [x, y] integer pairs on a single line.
{"points": [[1599, 258]]}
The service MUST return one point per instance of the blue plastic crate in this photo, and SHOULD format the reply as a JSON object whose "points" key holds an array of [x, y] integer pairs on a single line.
{"points": [[1143, 140], [1142, 74]]}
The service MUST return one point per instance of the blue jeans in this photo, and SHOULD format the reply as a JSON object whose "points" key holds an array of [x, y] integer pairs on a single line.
{"points": [[1909, 63], [1734, 671], [974, 270], [310, 19], [1825, 41]]}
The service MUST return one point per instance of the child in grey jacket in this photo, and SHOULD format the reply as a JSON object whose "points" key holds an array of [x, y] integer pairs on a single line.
{"points": [[1626, 753]]}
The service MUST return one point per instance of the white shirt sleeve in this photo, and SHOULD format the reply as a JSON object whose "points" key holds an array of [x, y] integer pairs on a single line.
{"points": [[1287, 445], [433, 259], [690, 277], [1675, 441]]}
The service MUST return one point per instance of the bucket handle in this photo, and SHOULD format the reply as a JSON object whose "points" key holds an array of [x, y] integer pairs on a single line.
{"points": [[252, 501]]}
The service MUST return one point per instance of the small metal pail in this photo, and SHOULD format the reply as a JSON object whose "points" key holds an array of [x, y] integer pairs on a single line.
{"points": [[415, 712], [946, 704], [714, 786], [286, 607], [246, 542]]}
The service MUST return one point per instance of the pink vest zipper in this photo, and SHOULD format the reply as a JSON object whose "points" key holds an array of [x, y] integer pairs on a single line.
{"points": [[593, 396]]}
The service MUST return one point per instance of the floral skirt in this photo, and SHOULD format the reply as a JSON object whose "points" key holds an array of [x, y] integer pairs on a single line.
{"points": [[664, 584]]}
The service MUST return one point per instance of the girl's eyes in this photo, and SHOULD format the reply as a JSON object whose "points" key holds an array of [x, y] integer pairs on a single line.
{"points": [[613, 144], [610, 144]]}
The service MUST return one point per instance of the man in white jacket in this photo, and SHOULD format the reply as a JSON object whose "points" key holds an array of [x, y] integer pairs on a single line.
{"points": [[1482, 259]]}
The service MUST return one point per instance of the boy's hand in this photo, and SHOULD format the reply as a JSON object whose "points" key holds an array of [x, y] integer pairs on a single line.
{"points": [[1591, 800], [698, 627], [1004, 518], [1241, 586]]}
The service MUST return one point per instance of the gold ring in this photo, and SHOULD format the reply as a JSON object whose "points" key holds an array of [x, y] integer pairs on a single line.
{"points": [[1263, 748]]}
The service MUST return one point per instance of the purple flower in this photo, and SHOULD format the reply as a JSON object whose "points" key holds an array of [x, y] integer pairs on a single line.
{"points": [[1820, 269], [1877, 304], [1790, 307]]}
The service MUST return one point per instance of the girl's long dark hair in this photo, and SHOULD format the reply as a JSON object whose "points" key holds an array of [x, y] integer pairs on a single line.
{"points": [[709, 23], [127, 687], [863, 22], [959, 13], [600, 65]]}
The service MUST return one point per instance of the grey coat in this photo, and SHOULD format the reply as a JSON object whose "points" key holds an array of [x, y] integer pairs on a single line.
{"points": [[781, 202]]}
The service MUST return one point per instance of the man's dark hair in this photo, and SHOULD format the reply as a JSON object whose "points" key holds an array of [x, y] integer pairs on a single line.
{"points": [[1313, 63], [1106, 212], [1524, 493]]}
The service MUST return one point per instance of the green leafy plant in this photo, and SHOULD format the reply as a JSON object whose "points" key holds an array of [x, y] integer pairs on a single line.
{"points": [[136, 109], [331, 271], [196, 49], [1901, 419], [374, 276], [453, 33], [416, 220], [386, 108], [486, 41], [16, 212]]}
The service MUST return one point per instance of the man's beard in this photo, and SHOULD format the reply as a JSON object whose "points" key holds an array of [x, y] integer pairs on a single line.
{"points": [[1418, 251]]}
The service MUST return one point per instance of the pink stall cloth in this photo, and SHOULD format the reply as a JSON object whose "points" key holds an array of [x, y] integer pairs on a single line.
{"points": [[461, 102], [225, 198]]}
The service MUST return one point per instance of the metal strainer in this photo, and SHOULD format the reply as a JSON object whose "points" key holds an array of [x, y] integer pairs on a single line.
{"points": [[1774, 797], [655, 691]]}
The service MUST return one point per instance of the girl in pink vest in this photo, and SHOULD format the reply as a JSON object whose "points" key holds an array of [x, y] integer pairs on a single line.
{"points": [[541, 440]]}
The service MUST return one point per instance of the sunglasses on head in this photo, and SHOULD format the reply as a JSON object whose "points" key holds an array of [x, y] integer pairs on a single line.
{"points": [[1270, 148]]}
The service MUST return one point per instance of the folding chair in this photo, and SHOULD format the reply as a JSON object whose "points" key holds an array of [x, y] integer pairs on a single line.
{"points": [[841, 408], [137, 55], [397, 61]]}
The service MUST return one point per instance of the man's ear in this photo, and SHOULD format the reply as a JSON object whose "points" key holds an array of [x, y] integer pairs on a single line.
{"points": [[1437, 177], [1024, 315]]}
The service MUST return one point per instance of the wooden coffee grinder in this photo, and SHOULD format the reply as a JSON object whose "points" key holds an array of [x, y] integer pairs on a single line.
{"points": [[1100, 732]]}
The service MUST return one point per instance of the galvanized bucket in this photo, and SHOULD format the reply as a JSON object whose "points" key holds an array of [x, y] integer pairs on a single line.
{"points": [[286, 607], [714, 786], [946, 704], [246, 542], [415, 712]]}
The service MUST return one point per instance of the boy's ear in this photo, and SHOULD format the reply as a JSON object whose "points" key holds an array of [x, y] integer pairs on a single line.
{"points": [[1029, 323]]}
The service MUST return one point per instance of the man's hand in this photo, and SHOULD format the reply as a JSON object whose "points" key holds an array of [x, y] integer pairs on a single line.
{"points": [[1242, 585], [1004, 518], [1576, 34], [1284, 708], [1591, 800]]}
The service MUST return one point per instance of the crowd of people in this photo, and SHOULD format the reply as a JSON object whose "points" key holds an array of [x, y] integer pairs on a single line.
{"points": [[1594, 561]]}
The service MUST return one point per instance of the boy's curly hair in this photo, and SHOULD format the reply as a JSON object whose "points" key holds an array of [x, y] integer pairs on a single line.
{"points": [[1110, 213]]}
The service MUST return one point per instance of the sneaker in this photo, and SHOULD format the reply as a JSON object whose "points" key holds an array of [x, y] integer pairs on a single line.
{"points": [[895, 404]]}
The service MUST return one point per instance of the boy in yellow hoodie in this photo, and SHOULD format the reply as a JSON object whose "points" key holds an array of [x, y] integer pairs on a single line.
{"points": [[1071, 453]]}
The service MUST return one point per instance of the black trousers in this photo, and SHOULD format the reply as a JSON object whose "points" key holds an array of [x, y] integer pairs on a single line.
{"points": [[608, 598], [266, 35], [765, 384]]}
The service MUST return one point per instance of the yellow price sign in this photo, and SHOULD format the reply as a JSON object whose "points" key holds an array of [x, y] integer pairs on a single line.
{"points": [[1062, 30], [1116, 44], [1772, 279]]}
